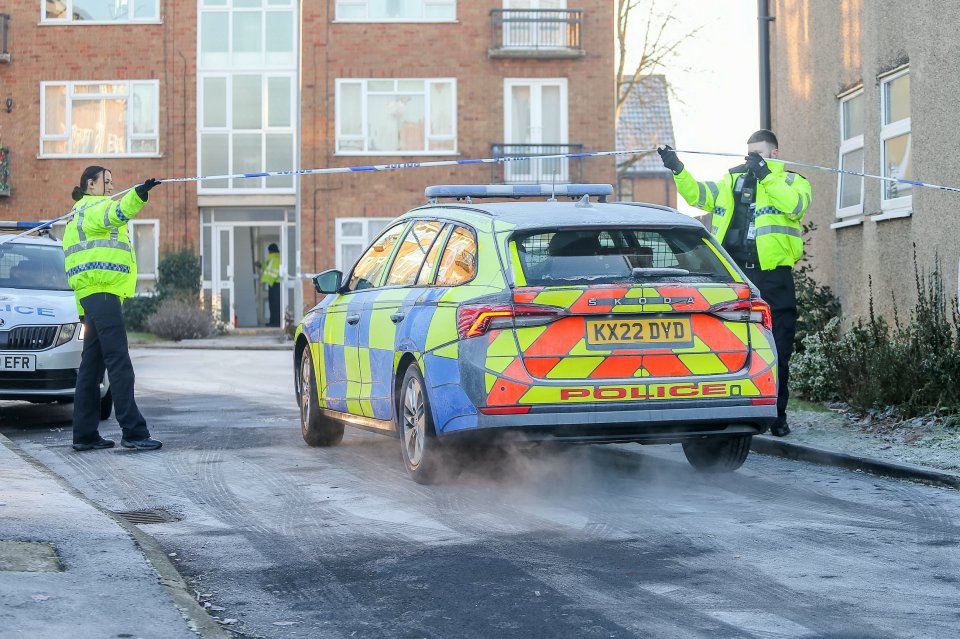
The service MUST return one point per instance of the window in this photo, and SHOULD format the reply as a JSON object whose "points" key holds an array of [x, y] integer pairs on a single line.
{"points": [[396, 10], [412, 253], [396, 116], [247, 94], [626, 189], [145, 238], [430, 264], [535, 122], [354, 234], [895, 140], [32, 266], [458, 264], [247, 126], [369, 268], [850, 187], [99, 119], [98, 11]]}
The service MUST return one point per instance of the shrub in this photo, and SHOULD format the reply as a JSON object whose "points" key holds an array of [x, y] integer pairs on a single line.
{"points": [[179, 275], [177, 319], [816, 304], [915, 368], [136, 311]]}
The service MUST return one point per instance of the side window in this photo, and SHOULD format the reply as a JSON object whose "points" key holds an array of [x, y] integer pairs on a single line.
{"points": [[370, 266], [412, 252], [458, 264], [426, 272]]}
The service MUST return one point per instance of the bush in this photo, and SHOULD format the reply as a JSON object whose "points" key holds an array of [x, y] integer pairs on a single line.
{"points": [[816, 305], [177, 319], [915, 368], [137, 310], [179, 275]]}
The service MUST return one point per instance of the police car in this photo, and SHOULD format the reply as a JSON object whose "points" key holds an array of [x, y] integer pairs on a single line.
{"points": [[41, 336], [570, 319]]}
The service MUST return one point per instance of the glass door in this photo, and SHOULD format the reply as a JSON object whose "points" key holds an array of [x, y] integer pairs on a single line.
{"points": [[535, 123], [223, 260]]}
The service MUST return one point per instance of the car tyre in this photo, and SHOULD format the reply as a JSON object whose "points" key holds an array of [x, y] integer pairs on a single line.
{"points": [[106, 406], [317, 430], [718, 455], [419, 446]]}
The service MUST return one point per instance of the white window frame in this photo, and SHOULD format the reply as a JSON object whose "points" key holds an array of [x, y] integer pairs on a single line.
{"points": [[363, 242], [67, 136], [899, 206], [849, 145], [512, 171], [366, 5], [44, 20], [146, 276], [364, 123], [230, 131]]}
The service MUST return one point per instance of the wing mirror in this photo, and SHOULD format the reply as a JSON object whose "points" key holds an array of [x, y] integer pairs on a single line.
{"points": [[328, 282]]}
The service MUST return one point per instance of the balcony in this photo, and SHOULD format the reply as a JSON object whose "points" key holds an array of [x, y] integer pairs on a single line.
{"points": [[536, 33], [4, 27], [530, 170]]}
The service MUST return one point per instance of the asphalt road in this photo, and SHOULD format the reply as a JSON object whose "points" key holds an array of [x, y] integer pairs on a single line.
{"points": [[622, 541]]}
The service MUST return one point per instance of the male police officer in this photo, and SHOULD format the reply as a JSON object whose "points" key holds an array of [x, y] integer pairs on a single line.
{"points": [[271, 278], [102, 271], [757, 210]]}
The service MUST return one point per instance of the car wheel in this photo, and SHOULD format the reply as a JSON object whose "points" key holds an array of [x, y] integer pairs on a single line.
{"points": [[317, 430], [418, 441], [718, 455], [106, 406]]}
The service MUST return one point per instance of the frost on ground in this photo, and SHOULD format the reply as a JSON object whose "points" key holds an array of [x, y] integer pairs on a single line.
{"points": [[930, 440]]}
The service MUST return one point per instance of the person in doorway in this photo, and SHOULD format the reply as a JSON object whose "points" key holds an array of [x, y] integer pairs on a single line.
{"points": [[271, 279], [757, 212], [102, 271]]}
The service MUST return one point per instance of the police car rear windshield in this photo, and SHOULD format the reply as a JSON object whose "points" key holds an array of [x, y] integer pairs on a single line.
{"points": [[33, 267], [618, 255]]}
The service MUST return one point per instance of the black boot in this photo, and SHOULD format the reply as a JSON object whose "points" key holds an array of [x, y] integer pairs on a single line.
{"points": [[780, 428]]}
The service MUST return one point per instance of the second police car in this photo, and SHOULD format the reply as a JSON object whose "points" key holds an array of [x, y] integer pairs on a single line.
{"points": [[577, 321], [41, 336]]}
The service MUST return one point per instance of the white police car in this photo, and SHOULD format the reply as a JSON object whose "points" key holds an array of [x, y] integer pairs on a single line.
{"points": [[41, 337]]}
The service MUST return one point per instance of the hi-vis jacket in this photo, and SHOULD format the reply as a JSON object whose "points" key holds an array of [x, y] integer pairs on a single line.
{"points": [[96, 244], [781, 202], [271, 270]]}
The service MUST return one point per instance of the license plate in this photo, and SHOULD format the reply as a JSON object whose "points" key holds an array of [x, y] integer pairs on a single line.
{"points": [[639, 332], [18, 362]]}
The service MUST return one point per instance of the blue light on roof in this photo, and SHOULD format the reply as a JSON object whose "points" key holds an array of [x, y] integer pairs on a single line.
{"points": [[461, 191], [14, 225]]}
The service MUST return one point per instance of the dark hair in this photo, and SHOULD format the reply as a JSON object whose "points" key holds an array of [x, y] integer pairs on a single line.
{"points": [[273, 248], [764, 135], [89, 173]]}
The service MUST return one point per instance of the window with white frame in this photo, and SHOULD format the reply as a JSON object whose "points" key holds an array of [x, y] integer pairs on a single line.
{"points": [[396, 116], [850, 187], [895, 137], [100, 119], [145, 238], [396, 10], [247, 94], [99, 11], [354, 235]]}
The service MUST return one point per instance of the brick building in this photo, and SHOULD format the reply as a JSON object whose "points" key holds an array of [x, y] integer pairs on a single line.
{"points": [[156, 88]]}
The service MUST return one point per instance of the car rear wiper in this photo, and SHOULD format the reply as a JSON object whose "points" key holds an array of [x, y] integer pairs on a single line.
{"points": [[638, 273]]}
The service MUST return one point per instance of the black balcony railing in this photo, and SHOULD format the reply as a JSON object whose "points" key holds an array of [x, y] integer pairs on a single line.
{"points": [[536, 32], [522, 166]]}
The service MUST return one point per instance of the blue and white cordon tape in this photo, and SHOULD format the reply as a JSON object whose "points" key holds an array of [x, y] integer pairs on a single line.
{"points": [[502, 160]]}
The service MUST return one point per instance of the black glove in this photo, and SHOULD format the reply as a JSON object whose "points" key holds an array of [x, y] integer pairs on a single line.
{"points": [[757, 165], [142, 189], [669, 158]]}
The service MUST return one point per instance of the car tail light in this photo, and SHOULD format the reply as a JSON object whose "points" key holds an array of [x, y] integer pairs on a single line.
{"points": [[505, 410], [763, 401], [756, 311], [474, 320]]}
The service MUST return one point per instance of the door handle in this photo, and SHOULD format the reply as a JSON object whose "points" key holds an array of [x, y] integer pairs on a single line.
{"points": [[396, 318], [353, 319]]}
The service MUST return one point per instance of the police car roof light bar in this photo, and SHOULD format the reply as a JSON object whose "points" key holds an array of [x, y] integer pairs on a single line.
{"points": [[14, 225], [517, 191]]}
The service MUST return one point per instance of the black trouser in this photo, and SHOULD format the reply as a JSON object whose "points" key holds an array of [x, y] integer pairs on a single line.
{"points": [[273, 296], [777, 290], [105, 347]]}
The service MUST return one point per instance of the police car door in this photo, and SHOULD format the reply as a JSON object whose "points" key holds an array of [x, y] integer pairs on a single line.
{"points": [[389, 313], [351, 345]]}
